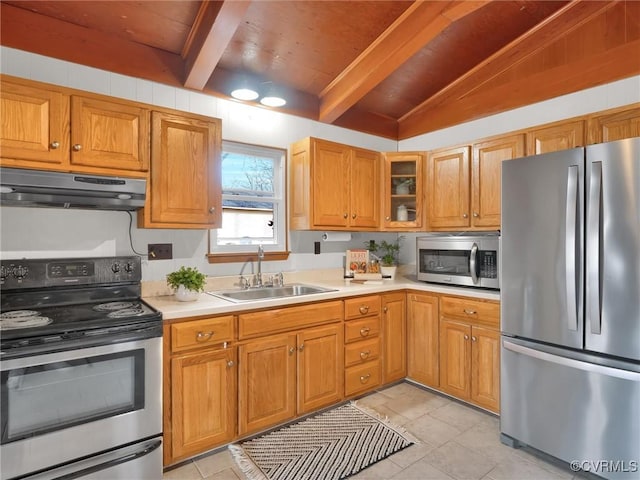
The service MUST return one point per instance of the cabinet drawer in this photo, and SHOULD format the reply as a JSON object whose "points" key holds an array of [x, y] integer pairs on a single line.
{"points": [[478, 311], [360, 352], [362, 378], [360, 329], [201, 333], [277, 320], [361, 306]]}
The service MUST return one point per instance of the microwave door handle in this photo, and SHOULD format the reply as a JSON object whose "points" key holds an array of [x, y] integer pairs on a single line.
{"points": [[570, 247], [593, 249], [472, 263]]}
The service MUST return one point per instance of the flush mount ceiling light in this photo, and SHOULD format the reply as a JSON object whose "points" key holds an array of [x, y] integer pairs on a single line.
{"points": [[244, 94], [272, 101]]}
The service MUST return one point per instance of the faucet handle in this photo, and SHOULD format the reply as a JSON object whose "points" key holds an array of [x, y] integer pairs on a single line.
{"points": [[278, 279], [244, 282]]}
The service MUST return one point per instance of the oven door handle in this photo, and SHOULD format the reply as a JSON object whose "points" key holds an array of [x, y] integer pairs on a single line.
{"points": [[473, 263], [128, 457]]}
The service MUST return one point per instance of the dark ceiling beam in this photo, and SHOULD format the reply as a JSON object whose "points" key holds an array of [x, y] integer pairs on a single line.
{"points": [[415, 28], [212, 31], [566, 19]]}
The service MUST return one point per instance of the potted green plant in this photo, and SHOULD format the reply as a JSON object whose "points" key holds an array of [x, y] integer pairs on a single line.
{"points": [[187, 283], [387, 252]]}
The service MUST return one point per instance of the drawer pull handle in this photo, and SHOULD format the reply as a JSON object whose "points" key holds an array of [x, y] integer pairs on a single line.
{"points": [[364, 309], [364, 331], [365, 378], [365, 354], [469, 312], [230, 363], [204, 336]]}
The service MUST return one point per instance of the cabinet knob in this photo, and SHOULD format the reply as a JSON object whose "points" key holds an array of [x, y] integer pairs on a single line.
{"points": [[212, 210], [474, 339], [204, 336], [353, 215], [365, 354], [77, 147], [365, 378], [475, 214], [345, 215], [364, 331], [55, 145], [387, 218], [301, 347], [385, 309], [230, 363], [364, 309], [466, 337], [464, 215], [291, 350]]}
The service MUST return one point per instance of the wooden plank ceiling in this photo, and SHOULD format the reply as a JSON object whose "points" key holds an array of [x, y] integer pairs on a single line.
{"points": [[390, 68]]}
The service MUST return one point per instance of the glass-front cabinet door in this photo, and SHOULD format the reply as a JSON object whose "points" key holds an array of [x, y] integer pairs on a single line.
{"points": [[403, 190]]}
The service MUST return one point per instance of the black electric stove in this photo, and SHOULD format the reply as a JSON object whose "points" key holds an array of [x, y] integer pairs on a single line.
{"points": [[69, 303]]}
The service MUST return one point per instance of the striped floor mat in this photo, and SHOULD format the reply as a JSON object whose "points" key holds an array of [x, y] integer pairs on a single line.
{"points": [[332, 445]]}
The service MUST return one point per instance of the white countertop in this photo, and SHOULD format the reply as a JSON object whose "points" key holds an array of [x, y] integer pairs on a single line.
{"points": [[210, 305]]}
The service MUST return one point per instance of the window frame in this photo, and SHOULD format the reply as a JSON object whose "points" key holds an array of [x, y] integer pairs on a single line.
{"points": [[242, 253]]}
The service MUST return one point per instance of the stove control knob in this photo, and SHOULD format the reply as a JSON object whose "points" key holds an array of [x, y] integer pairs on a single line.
{"points": [[128, 267], [3, 273], [20, 272], [115, 268]]}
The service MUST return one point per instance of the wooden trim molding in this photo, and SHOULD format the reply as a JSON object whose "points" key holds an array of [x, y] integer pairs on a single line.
{"points": [[245, 257]]}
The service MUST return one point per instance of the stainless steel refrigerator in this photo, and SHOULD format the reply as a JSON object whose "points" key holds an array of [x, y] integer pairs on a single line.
{"points": [[570, 306]]}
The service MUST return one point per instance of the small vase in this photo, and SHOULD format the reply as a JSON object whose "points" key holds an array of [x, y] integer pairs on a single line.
{"points": [[388, 272], [183, 294]]}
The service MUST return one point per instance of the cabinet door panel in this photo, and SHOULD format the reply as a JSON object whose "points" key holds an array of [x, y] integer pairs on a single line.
{"points": [[485, 367], [330, 175], [615, 126], [394, 337], [486, 177], [455, 358], [320, 367], [34, 131], [448, 188], [267, 382], [185, 171], [365, 189], [561, 136], [203, 401], [107, 135], [423, 352]]}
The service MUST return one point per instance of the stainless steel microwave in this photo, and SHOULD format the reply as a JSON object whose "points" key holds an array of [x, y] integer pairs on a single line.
{"points": [[465, 259]]}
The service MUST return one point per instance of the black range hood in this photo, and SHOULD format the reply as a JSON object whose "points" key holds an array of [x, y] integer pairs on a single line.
{"points": [[37, 188]]}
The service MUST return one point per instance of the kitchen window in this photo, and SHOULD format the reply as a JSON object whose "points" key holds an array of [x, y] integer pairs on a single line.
{"points": [[253, 207]]}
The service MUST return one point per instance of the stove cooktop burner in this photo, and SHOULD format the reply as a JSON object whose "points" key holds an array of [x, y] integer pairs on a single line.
{"points": [[113, 306], [22, 319], [132, 311]]}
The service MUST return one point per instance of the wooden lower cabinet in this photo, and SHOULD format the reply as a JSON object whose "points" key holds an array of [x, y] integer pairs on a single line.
{"points": [[394, 337], [203, 400], [470, 351], [282, 376], [422, 339]]}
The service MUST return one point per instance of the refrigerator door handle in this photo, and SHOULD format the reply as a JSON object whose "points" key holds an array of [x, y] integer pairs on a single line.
{"points": [[571, 247], [572, 363], [593, 248], [473, 264]]}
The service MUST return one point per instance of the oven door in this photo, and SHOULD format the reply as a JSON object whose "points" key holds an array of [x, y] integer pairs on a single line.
{"points": [[59, 407]]}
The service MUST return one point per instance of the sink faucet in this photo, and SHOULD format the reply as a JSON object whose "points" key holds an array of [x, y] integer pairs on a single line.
{"points": [[258, 282]]}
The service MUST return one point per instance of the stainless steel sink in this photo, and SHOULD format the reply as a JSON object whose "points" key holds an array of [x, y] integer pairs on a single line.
{"points": [[266, 293]]}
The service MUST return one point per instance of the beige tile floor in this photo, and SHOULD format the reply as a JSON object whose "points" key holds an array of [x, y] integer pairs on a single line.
{"points": [[456, 442]]}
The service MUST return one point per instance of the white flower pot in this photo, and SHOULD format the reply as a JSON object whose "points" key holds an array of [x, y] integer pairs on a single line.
{"points": [[388, 271], [184, 295]]}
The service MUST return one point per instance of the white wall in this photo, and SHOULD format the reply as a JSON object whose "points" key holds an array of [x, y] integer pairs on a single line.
{"points": [[31, 232]]}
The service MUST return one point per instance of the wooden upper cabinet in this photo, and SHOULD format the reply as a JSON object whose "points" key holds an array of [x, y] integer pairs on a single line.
{"points": [[554, 137], [107, 135], [332, 185], [185, 188], [448, 188], [616, 125], [403, 186], [486, 178]]}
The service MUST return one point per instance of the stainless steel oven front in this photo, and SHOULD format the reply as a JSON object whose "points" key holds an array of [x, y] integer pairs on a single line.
{"points": [[103, 401], [465, 259]]}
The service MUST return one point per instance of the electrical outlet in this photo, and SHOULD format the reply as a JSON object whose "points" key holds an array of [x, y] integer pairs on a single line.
{"points": [[160, 251], [316, 248]]}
